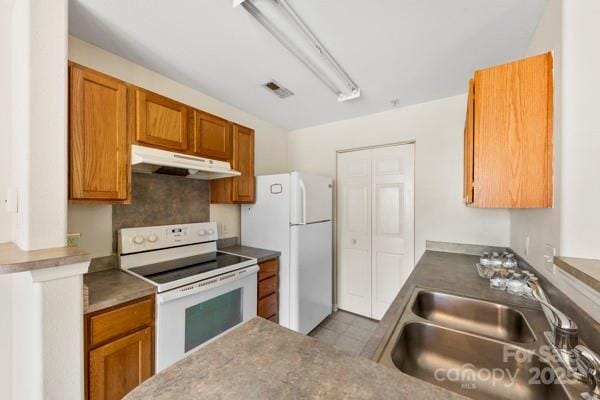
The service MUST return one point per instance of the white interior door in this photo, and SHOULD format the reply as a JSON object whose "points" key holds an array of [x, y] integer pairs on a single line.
{"points": [[375, 218], [392, 236], [354, 232]]}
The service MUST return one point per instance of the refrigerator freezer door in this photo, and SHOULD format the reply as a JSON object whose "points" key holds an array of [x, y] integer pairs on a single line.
{"points": [[266, 224], [311, 275], [311, 198]]}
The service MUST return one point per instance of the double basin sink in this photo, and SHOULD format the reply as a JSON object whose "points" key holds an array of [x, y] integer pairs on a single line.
{"points": [[476, 348]]}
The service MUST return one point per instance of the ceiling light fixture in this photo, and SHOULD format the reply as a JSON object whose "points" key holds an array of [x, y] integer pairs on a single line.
{"points": [[286, 26]]}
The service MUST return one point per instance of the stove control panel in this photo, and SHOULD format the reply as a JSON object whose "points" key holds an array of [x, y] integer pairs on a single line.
{"points": [[133, 240]]}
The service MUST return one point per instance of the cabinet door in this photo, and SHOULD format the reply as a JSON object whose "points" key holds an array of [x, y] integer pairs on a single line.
{"points": [[211, 136], [513, 134], [468, 144], [99, 143], [118, 367], [160, 121], [243, 161]]}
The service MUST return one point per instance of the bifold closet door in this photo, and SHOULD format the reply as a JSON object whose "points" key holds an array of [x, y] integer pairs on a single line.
{"points": [[375, 219], [392, 226], [354, 232]]}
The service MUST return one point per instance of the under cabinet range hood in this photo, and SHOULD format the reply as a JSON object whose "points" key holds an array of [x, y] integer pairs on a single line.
{"points": [[153, 161]]}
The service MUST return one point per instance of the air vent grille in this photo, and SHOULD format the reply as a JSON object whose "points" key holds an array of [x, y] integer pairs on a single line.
{"points": [[277, 89]]}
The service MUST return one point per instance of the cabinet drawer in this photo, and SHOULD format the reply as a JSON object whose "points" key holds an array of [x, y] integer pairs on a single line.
{"points": [[268, 269], [119, 321], [267, 286], [267, 306]]}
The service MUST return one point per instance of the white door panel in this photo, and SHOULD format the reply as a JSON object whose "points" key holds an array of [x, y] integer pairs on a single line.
{"points": [[375, 240], [354, 233], [392, 239]]}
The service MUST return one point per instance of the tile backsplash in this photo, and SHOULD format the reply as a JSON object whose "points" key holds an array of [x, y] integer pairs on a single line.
{"points": [[162, 200]]}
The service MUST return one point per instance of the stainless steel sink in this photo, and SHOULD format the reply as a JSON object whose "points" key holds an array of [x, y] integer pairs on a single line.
{"points": [[477, 348], [472, 366], [471, 315]]}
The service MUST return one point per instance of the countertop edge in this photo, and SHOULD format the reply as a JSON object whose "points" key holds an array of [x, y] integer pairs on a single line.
{"points": [[22, 260], [105, 304], [570, 266], [246, 251]]}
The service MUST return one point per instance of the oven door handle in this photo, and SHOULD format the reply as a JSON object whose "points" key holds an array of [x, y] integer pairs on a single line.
{"points": [[206, 284]]}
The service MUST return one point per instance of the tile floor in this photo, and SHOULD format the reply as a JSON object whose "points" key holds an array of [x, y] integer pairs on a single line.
{"points": [[345, 331]]}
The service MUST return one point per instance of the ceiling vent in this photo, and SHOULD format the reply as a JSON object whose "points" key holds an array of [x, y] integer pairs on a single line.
{"points": [[278, 90]]}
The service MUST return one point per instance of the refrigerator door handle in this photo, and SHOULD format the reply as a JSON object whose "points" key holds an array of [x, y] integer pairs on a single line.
{"points": [[303, 194]]}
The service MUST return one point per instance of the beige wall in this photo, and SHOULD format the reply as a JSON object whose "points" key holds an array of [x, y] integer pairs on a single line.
{"points": [[437, 127], [580, 147], [94, 222], [5, 117]]}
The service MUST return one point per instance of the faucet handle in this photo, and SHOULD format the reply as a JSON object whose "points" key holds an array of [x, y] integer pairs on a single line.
{"points": [[559, 319], [589, 363]]}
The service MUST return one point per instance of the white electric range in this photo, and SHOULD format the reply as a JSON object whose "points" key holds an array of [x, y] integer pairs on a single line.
{"points": [[202, 292]]}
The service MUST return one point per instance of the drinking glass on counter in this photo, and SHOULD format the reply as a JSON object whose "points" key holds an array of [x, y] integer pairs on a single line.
{"points": [[498, 280]]}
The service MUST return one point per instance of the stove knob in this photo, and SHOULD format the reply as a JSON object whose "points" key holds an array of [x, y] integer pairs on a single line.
{"points": [[201, 232], [138, 239], [152, 238], [211, 231]]}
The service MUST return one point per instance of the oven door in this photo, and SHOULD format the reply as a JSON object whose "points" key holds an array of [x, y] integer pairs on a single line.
{"points": [[191, 316]]}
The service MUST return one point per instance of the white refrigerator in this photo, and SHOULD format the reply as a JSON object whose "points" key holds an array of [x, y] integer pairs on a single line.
{"points": [[292, 214]]}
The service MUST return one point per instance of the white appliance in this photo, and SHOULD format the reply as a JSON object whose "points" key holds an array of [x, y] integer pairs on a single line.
{"points": [[149, 160], [292, 214], [202, 292]]}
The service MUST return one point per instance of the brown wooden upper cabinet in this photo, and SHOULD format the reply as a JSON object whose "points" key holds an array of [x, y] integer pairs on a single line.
{"points": [[238, 189], [107, 114], [508, 135], [160, 122], [211, 136], [98, 137]]}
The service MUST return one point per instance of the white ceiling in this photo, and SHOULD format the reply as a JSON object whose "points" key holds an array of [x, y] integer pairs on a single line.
{"points": [[410, 50]]}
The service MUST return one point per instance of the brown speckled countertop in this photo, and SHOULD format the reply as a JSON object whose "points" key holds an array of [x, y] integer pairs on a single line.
{"points": [[260, 254], [112, 287], [456, 273], [13, 259], [262, 360]]}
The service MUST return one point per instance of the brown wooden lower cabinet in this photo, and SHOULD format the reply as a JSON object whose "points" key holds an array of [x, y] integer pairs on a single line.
{"points": [[268, 290], [119, 349]]}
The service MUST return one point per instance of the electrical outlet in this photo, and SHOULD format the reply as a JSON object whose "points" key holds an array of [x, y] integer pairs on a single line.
{"points": [[73, 239], [549, 253], [527, 243], [224, 229]]}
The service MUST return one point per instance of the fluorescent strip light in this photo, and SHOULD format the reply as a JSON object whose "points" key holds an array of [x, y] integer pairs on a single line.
{"points": [[278, 17]]}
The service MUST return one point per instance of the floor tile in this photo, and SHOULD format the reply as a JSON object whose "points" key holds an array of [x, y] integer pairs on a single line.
{"points": [[345, 331], [358, 332], [344, 317], [364, 323], [336, 325], [349, 345], [327, 336]]}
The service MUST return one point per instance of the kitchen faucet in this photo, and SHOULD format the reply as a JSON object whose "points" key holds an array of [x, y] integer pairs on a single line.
{"points": [[579, 361]]}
